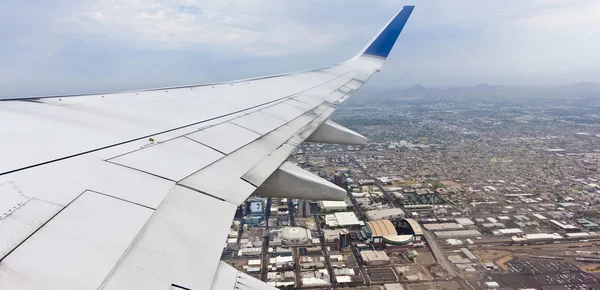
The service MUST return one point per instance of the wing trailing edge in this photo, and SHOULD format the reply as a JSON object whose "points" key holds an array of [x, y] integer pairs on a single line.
{"points": [[291, 181], [332, 132]]}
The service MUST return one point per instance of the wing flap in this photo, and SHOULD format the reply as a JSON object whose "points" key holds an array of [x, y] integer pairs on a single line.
{"points": [[291, 181], [331, 132]]}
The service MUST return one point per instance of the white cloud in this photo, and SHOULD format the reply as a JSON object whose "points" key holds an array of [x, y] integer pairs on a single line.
{"points": [[564, 16], [250, 27]]}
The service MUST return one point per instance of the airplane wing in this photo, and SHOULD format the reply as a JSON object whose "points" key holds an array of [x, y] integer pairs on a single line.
{"points": [[137, 190]]}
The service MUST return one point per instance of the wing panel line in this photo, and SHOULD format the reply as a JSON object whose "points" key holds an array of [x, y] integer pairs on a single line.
{"points": [[186, 137], [165, 131], [200, 191], [122, 199], [40, 227], [143, 171]]}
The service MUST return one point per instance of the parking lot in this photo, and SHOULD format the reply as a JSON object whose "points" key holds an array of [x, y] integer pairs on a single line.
{"points": [[549, 274], [573, 287], [381, 275], [539, 266]]}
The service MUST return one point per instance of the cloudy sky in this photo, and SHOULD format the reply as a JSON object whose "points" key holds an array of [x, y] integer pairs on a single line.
{"points": [[60, 47]]}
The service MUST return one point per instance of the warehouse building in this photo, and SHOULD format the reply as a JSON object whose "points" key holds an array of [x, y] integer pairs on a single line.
{"points": [[566, 227], [374, 258], [468, 253], [385, 214], [492, 225], [512, 231], [578, 235], [588, 224], [457, 234], [330, 206], [443, 227], [464, 222], [541, 237], [342, 219]]}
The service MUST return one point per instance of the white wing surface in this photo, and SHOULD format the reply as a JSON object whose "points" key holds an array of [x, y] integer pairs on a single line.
{"points": [[137, 190]]}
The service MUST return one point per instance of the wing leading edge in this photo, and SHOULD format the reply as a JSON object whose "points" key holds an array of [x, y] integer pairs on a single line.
{"points": [[122, 191]]}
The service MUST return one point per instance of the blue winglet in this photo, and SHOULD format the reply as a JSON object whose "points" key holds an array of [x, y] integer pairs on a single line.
{"points": [[383, 43]]}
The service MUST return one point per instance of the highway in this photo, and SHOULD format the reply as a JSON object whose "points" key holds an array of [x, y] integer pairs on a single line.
{"points": [[442, 260], [439, 254], [389, 197]]}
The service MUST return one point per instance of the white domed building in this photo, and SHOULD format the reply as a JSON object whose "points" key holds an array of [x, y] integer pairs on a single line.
{"points": [[294, 236]]}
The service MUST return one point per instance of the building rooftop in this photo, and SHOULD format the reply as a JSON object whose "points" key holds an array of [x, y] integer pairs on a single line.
{"points": [[384, 214], [415, 226], [331, 234], [587, 223], [374, 256], [563, 225], [578, 235], [347, 219], [295, 236], [510, 231], [382, 228], [492, 284], [442, 226], [464, 221], [332, 205], [457, 234], [343, 279], [543, 236]]}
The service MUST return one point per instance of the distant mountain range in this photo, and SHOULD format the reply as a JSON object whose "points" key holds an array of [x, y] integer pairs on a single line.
{"points": [[579, 90]]}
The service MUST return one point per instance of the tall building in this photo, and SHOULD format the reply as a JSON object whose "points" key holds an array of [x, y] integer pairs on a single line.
{"points": [[338, 180], [344, 240], [255, 211], [239, 212], [255, 206]]}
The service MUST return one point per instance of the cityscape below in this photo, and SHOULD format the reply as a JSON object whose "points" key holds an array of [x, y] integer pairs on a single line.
{"points": [[486, 187]]}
